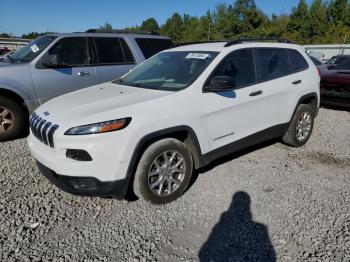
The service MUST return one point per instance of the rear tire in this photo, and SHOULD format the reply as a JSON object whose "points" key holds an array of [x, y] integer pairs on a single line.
{"points": [[12, 119], [164, 172], [301, 126]]}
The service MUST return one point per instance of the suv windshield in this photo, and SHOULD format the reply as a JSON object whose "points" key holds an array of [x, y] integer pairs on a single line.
{"points": [[32, 50], [169, 71]]}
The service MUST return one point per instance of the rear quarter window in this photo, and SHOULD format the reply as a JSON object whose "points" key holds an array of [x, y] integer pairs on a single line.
{"points": [[151, 46], [298, 62]]}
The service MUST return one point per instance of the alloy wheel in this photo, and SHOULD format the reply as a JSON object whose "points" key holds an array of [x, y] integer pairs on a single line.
{"points": [[303, 126], [167, 173], [7, 120]]}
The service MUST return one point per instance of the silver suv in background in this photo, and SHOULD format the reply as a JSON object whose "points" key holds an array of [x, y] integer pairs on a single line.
{"points": [[53, 65]]}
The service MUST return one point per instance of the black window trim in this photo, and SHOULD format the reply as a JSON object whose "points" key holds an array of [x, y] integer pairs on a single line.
{"points": [[295, 72], [39, 65], [206, 83], [257, 81], [97, 63]]}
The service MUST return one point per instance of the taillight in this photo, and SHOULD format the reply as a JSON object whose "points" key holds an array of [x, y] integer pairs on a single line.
{"points": [[319, 71]]}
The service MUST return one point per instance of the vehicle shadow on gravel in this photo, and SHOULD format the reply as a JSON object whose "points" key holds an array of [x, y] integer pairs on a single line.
{"points": [[237, 237]]}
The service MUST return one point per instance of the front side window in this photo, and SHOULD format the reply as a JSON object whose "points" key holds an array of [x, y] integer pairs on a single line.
{"points": [[33, 49], [170, 71], [344, 65], [335, 60], [239, 65], [113, 51], [71, 51]]}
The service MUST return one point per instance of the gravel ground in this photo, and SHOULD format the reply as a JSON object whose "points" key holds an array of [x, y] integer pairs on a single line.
{"points": [[269, 203]]}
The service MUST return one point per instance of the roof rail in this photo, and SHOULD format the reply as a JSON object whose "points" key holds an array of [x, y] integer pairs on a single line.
{"points": [[98, 30], [194, 43], [245, 40]]}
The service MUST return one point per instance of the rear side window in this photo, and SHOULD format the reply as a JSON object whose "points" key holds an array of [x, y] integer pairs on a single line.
{"points": [[238, 65], [274, 63], [112, 51], [152, 46]]}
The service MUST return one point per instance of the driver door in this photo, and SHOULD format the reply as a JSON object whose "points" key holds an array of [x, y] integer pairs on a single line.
{"points": [[232, 115], [76, 73]]}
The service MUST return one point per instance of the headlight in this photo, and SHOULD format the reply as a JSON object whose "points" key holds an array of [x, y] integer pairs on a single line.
{"points": [[97, 128]]}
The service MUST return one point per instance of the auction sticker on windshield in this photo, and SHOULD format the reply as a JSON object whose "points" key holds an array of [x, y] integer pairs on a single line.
{"points": [[34, 48], [197, 56]]}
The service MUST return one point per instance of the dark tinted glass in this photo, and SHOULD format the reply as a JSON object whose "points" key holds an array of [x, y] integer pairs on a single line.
{"points": [[344, 65], [298, 62], [272, 63], [127, 52], [72, 51], [152, 46], [109, 50], [239, 65]]}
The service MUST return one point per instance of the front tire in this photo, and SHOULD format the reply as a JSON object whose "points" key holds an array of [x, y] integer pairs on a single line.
{"points": [[12, 119], [301, 127], [164, 171]]}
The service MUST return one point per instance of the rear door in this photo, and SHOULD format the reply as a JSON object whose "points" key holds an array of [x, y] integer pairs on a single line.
{"points": [[281, 75], [113, 58], [76, 71]]}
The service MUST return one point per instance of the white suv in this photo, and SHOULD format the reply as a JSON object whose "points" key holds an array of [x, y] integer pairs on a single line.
{"points": [[179, 110]]}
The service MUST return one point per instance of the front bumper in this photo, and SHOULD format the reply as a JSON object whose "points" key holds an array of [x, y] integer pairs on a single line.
{"points": [[86, 186]]}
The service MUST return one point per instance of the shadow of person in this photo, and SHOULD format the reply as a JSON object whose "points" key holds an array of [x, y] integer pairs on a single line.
{"points": [[237, 237]]}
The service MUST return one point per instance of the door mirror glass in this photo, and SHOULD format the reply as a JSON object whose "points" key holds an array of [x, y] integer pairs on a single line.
{"points": [[221, 83], [50, 61], [331, 67]]}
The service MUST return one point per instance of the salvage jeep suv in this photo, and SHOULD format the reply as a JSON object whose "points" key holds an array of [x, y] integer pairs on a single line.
{"points": [[184, 107]]}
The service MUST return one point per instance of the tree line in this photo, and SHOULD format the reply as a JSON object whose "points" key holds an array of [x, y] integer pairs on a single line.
{"points": [[321, 22]]}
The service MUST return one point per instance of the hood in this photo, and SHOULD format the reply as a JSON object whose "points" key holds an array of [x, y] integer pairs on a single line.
{"points": [[98, 103]]}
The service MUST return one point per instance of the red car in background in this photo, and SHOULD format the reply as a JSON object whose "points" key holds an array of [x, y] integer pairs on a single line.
{"points": [[335, 84]]}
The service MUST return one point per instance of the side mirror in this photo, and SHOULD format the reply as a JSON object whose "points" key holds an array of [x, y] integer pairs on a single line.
{"points": [[51, 61], [221, 83], [331, 67]]}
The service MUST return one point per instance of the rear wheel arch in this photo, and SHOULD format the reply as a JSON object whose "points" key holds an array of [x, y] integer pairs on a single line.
{"points": [[310, 98]]}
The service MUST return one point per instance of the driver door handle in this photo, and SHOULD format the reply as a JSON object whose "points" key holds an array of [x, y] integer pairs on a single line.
{"points": [[83, 73]]}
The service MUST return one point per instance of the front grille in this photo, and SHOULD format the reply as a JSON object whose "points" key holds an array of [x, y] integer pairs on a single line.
{"points": [[42, 129]]}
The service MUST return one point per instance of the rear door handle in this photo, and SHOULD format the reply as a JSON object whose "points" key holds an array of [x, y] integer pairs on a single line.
{"points": [[257, 93], [297, 82], [83, 73]]}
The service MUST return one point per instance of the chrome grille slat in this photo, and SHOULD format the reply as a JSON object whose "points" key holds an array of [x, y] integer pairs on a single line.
{"points": [[45, 129], [50, 135], [42, 129]]}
